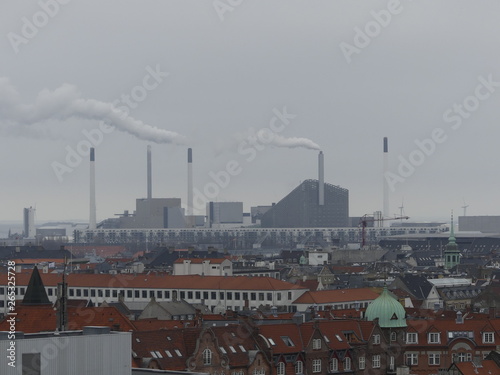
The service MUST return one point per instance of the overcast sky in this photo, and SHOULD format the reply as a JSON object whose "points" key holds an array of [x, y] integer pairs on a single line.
{"points": [[208, 75]]}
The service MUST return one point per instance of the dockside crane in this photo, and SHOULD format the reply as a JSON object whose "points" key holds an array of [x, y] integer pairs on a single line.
{"points": [[365, 219]]}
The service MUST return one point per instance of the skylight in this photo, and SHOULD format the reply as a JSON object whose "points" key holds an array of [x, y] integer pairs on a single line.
{"points": [[287, 340]]}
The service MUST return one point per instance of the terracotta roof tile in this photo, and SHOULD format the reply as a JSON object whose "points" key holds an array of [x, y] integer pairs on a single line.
{"points": [[161, 281], [337, 296]]}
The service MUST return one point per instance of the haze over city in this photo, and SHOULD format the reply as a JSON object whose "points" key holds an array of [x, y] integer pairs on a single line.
{"points": [[427, 78]]}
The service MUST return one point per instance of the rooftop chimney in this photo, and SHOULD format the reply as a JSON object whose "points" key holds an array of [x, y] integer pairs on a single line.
{"points": [[321, 179], [92, 218]]}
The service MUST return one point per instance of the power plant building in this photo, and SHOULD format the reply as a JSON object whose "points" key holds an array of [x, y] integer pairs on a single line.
{"points": [[302, 208], [220, 214]]}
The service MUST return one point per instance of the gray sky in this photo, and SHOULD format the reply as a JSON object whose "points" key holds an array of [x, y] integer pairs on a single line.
{"points": [[228, 73]]}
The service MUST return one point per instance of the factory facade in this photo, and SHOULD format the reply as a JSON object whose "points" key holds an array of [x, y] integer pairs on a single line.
{"points": [[302, 208]]}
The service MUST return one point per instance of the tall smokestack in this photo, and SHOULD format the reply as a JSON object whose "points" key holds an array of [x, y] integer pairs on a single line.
{"points": [[150, 185], [190, 187], [385, 212], [92, 218], [321, 179]]}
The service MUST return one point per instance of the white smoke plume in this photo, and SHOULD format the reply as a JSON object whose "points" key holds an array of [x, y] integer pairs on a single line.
{"points": [[294, 142], [66, 102]]}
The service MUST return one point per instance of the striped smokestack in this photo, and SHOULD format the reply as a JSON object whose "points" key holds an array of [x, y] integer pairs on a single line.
{"points": [[149, 182], [92, 218], [190, 187], [321, 179], [385, 212]]}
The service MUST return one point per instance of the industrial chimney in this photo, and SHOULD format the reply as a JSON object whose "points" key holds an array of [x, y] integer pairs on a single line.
{"points": [[189, 210], [385, 212], [321, 179], [149, 182], [92, 219]]}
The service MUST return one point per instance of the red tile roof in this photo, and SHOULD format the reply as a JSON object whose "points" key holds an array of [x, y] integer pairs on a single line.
{"points": [[488, 367], [447, 326], [159, 282], [337, 296], [155, 324], [32, 319]]}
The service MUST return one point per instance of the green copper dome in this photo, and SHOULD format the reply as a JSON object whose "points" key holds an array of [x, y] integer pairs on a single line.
{"points": [[390, 313]]}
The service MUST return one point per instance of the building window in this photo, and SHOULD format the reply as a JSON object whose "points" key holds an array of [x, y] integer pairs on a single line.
{"points": [[229, 296], [376, 339], [488, 338], [213, 295], [299, 367], [159, 294], [31, 363], [207, 357], [316, 365], [278, 296], [411, 359], [411, 338], [463, 357], [334, 365], [190, 295], [376, 361], [145, 294], [434, 359], [362, 363], [237, 296], [393, 336], [433, 338], [316, 343], [391, 363], [281, 369], [269, 296], [71, 292], [183, 295], [197, 295], [347, 364], [253, 296], [289, 296], [261, 296]]}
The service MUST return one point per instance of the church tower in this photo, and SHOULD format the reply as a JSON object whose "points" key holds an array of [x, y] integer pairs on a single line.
{"points": [[451, 253]]}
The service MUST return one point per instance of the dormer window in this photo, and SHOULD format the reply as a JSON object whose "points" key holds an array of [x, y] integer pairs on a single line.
{"points": [[316, 344], [433, 338], [411, 338], [488, 338]]}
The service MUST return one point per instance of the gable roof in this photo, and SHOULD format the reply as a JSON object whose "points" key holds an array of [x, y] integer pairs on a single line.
{"points": [[35, 293], [164, 281], [417, 285], [39, 318], [337, 296]]}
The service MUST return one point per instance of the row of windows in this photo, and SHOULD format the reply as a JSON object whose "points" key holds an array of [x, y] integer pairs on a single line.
{"points": [[160, 294], [434, 359], [435, 338]]}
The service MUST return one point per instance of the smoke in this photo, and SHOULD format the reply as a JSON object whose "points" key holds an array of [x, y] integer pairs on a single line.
{"points": [[294, 142], [66, 102]]}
